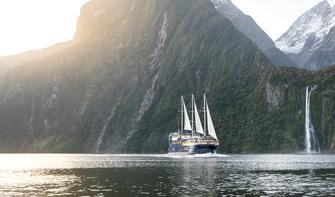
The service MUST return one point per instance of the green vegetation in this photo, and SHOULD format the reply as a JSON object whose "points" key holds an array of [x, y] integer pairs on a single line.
{"points": [[102, 85]]}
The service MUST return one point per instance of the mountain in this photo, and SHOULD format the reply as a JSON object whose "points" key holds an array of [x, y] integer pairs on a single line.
{"points": [[8, 63], [309, 41], [249, 28], [116, 86]]}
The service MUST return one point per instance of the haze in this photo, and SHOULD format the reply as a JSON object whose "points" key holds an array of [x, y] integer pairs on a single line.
{"points": [[35, 24]]}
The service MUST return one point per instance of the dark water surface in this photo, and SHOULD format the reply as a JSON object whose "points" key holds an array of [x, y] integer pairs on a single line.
{"points": [[163, 175]]}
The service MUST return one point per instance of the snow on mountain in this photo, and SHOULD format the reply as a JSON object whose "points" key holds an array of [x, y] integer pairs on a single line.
{"points": [[246, 25], [309, 30]]}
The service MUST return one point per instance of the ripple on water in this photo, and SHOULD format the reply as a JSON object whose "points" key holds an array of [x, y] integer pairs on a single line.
{"points": [[166, 175]]}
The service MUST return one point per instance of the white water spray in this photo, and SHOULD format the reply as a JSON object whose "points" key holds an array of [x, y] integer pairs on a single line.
{"points": [[311, 141]]}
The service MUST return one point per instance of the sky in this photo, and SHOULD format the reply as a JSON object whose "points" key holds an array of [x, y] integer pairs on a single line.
{"points": [[276, 16], [33, 24]]}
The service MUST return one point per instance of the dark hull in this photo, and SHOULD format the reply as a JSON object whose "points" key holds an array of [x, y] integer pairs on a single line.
{"points": [[192, 149], [202, 149]]}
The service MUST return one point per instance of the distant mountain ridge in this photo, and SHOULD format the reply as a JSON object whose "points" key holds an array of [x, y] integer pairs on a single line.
{"points": [[309, 40], [116, 87], [249, 28], [8, 63]]}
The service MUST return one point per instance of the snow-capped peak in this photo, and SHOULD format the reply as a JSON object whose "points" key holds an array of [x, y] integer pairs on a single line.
{"points": [[309, 30], [321, 7]]}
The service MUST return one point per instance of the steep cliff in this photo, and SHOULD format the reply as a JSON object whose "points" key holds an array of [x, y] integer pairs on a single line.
{"points": [[310, 40], [246, 25], [116, 86]]}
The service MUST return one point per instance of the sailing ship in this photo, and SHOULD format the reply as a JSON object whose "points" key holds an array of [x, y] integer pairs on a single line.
{"points": [[192, 137]]}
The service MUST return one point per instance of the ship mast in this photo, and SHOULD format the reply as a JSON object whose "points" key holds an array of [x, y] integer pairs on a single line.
{"points": [[205, 119], [192, 115], [181, 115]]}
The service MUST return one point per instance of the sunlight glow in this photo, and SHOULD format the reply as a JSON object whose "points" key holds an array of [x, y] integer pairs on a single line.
{"points": [[27, 25]]}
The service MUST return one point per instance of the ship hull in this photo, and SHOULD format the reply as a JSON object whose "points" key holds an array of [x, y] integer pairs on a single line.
{"points": [[193, 138], [202, 149], [192, 149]]}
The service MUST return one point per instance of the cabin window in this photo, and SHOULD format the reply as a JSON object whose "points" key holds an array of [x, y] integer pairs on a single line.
{"points": [[186, 148]]}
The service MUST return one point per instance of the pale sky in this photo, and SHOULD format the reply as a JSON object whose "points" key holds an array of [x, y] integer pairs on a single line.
{"points": [[34, 24], [276, 16]]}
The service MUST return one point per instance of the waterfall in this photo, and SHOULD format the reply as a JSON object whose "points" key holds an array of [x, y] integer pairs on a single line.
{"points": [[311, 141], [106, 123]]}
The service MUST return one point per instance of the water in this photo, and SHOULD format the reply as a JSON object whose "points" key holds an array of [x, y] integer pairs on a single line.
{"points": [[311, 140], [163, 175]]}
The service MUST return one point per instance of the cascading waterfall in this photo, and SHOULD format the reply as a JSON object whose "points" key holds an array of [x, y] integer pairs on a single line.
{"points": [[311, 141]]}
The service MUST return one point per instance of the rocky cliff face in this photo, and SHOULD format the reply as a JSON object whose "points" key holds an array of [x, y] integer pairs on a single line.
{"points": [[250, 29], [309, 40], [70, 100], [273, 96], [116, 86], [324, 55]]}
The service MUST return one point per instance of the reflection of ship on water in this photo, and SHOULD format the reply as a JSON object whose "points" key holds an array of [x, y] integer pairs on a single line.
{"points": [[198, 177], [191, 137]]}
